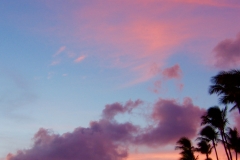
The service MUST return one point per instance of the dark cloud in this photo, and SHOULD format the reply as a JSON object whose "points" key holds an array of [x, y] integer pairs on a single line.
{"points": [[105, 139], [83, 143], [108, 139], [111, 110], [227, 53], [117, 132], [173, 121]]}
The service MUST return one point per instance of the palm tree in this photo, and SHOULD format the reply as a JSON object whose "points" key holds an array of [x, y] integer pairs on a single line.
{"points": [[208, 133], [227, 85], [234, 140], [187, 152], [217, 118], [204, 147]]}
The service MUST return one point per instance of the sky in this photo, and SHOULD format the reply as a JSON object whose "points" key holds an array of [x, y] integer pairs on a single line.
{"points": [[110, 80]]}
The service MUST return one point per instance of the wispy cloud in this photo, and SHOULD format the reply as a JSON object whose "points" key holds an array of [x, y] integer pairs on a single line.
{"points": [[135, 41], [79, 59], [63, 54], [215, 3], [60, 50]]}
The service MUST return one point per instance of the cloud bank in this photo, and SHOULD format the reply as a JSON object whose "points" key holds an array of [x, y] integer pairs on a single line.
{"points": [[108, 139]]}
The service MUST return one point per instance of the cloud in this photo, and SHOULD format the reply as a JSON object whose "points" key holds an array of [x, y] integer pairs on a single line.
{"points": [[121, 133], [157, 86], [56, 59], [166, 74], [82, 143], [79, 59], [60, 50], [146, 32], [113, 109], [104, 139], [227, 53], [63, 54], [173, 72], [173, 120], [108, 139], [136, 41], [215, 3]]}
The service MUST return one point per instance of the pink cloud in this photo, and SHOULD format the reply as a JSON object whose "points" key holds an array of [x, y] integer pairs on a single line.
{"points": [[180, 86], [173, 72], [60, 50], [135, 33], [215, 3], [146, 32], [157, 86], [173, 120], [79, 59], [135, 40], [227, 53]]}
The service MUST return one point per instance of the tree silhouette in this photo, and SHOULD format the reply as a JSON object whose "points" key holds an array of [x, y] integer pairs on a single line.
{"points": [[217, 118], [227, 85], [205, 148], [187, 152], [208, 133], [234, 140]]}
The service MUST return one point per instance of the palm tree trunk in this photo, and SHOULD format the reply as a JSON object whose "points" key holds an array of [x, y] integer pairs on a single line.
{"points": [[207, 155], [214, 146], [224, 144], [236, 154], [228, 148]]}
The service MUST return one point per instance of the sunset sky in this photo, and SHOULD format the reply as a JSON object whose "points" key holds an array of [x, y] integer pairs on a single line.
{"points": [[110, 79]]}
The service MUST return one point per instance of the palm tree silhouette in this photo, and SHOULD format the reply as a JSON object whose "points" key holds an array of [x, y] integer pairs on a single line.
{"points": [[227, 85], [187, 152], [233, 140], [208, 133], [205, 148], [217, 118]]}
